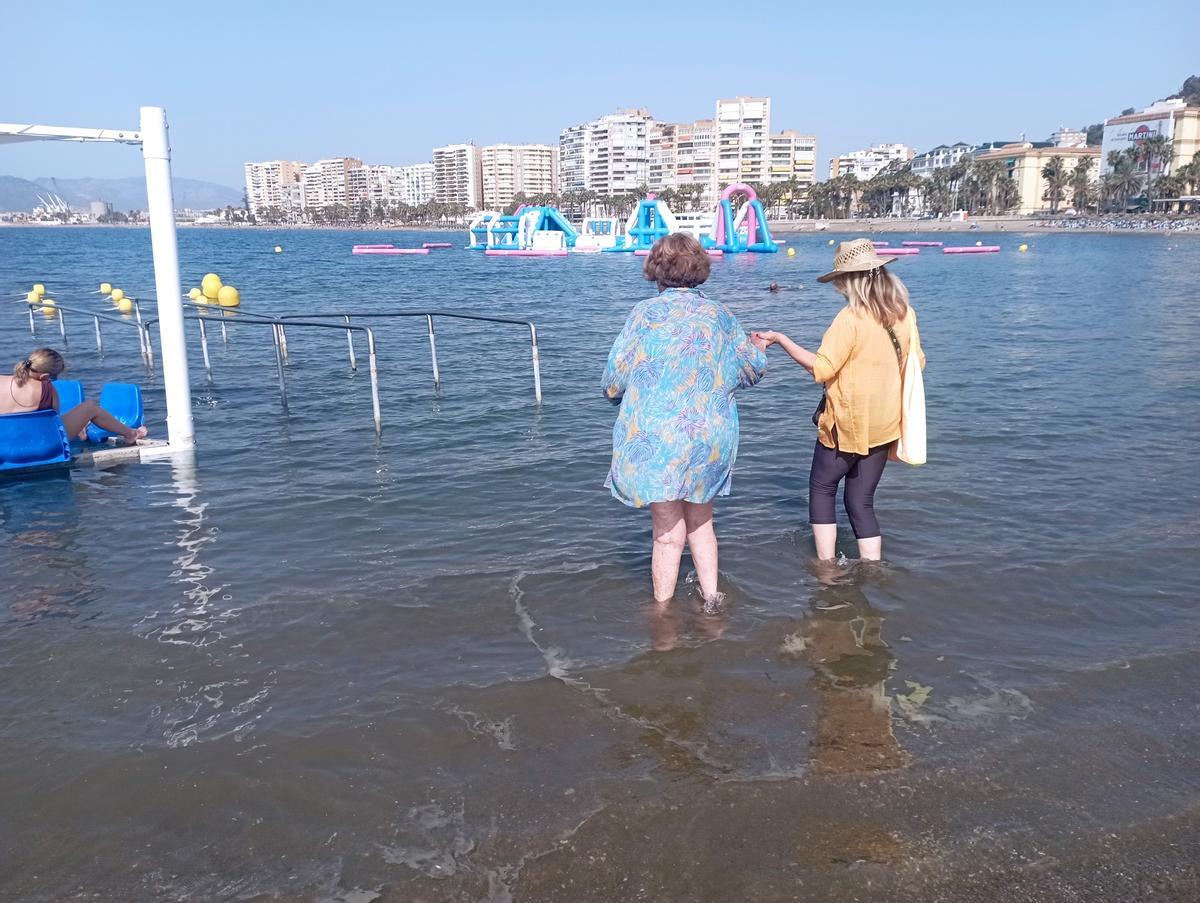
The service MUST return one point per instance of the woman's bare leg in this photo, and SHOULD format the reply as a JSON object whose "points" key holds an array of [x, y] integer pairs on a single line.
{"points": [[702, 541], [75, 421], [825, 537], [669, 537], [871, 548]]}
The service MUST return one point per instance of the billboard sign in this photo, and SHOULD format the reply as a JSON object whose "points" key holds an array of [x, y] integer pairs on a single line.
{"points": [[1121, 136]]}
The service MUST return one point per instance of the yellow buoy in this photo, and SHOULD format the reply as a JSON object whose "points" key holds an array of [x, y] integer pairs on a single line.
{"points": [[791, 252], [1023, 248], [125, 305], [979, 244], [195, 294], [106, 288], [40, 289], [831, 241], [210, 285], [278, 250], [228, 296], [33, 297], [117, 294], [203, 300], [49, 309]]}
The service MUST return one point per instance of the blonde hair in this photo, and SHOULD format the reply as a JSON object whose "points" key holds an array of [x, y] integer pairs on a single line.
{"points": [[43, 360], [877, 292]]}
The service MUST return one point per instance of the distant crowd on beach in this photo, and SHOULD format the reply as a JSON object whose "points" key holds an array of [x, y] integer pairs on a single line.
{"points": [[1122, 223]]}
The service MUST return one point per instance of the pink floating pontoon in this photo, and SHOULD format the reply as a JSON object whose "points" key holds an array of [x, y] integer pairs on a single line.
{"points": [[922, 244], [880, 244], [978, 249], [390, 250], [374, 246], [715, 252], [437, 244], [900, 252]]}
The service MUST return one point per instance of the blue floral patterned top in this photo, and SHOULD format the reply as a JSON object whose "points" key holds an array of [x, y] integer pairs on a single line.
{"points": [[674, 368]]}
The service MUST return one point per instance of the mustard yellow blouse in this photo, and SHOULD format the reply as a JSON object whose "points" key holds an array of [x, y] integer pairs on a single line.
{"points": [[857, 363]]}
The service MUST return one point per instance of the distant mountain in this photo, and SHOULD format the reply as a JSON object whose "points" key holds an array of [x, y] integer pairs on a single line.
{"points": [[124, 194]]}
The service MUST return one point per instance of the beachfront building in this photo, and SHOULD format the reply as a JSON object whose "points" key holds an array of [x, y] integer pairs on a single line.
{"points": [[1172, 119], [792, 156], [1025, 161], [511, 169], [336, 182], [274, 185], [609, 155], [865, 164], [389, 185], [743, 129], [458, 176]]}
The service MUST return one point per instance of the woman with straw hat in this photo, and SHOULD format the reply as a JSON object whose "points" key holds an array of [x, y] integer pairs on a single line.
{"points": [[860, 362]]}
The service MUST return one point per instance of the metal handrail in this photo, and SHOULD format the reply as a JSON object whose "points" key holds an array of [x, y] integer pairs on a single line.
{"points": [[142, 328], [429, 315], [276, 330]]}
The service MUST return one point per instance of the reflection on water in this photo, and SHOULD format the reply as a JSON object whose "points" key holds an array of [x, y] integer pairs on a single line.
{"points": [[843, 641]]}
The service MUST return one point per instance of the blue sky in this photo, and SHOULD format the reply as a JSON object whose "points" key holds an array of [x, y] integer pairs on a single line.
{"points": [[388, 81]]}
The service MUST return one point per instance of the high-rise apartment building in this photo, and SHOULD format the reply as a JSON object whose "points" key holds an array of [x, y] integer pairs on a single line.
{"points": [[392, 185], [743, 128], [609, 155], [696, 154], [274, 184], [338, 181], [511, 169], [866, 164], [792, 156], [457, 175]]}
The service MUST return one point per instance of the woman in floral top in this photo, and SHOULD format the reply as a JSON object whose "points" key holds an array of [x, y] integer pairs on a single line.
{"points": [[674, 369]]}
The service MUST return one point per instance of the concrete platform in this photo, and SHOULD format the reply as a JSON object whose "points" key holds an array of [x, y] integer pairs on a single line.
{"points": [[113, 453]]}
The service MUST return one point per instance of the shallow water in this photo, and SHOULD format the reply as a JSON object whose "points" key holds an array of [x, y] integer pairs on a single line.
{"points": [[315, 664]]}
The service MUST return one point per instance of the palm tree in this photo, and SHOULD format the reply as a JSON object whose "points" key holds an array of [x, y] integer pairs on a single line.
{"points": [[1123, 179], [1056, 177], [1152, 150], [1081, 184]]}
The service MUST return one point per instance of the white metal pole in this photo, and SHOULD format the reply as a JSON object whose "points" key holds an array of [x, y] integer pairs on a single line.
{"points": [[157, 153]]}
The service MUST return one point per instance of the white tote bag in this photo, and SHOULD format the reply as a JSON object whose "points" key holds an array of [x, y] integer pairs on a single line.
{"points": [[910, 448]]}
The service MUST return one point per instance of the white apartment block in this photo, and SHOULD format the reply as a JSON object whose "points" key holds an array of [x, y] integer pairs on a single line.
{"points": [[743, 128], [393, 185], [511, 169], [792, 156], [329, 183], [609, 155], [457, 175], [274, 184], [866, 164]]}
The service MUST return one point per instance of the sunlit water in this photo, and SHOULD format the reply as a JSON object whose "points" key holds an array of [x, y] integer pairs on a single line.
{"points": [[322, 665]]}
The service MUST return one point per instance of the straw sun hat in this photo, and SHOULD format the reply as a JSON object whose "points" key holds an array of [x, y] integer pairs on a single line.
{"points": [[857, 256]]}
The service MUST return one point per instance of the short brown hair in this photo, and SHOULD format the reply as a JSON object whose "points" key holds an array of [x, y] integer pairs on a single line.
{"points": [[677, 261]]}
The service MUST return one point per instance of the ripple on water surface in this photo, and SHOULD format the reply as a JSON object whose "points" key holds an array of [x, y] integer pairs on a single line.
{"points": [[427, 664]]}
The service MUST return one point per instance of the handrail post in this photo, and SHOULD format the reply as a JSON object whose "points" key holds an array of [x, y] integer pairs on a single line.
{"points": [[537, 367], [148, 355], [279, 367], [350, 342], [437, 377], [99, 341], [137, 313], [283, 342], [374, 381], [204, 350], [224, 333], [62, 325], [32, 325]]}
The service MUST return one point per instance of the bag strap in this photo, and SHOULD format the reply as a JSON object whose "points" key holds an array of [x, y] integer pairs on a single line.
{"points": [[896, 344]]}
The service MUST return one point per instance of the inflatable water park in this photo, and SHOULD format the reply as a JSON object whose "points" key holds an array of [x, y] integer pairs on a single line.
{"points": [[739, 225]]}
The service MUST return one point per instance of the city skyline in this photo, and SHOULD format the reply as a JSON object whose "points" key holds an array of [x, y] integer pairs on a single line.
{"points": [[383, 95]]}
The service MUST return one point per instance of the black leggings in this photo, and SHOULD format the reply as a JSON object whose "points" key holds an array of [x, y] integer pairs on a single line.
{"points": [[862, 473]]}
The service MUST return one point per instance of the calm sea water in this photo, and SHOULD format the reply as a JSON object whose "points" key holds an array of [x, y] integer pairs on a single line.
{"points": [[321, 665]]}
